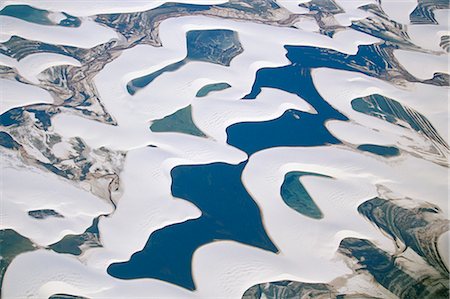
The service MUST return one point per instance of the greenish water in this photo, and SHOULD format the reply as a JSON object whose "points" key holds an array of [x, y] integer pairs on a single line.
{"points": [[38, 16], [11, 245], [72, 243], [180, 121], [69, 244], [205, 90], [27, 13], [296, 196]]}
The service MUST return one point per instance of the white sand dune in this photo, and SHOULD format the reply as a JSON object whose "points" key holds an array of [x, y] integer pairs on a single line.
{"points": [[144, 201], [15, 94], [31, 66], [350, 85], [162, 96], [45, 191], [50, 273], [88, 35], [351, 11], [230, 268], [145, 195], [430, 64], [214, 113], [399, 10], [428, 36]]}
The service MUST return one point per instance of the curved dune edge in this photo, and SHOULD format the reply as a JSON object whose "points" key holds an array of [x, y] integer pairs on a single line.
{"points": [[226, 268], [87, 35], [443, 247], [16, 94], [46, 191], [101, 6], [32, 65], [241, 266], [368, 129], [430, 64], [160, 99]]}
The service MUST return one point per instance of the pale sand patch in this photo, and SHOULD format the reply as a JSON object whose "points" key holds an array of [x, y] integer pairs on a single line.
{"points": [[428, 66], [215, 113], [32, 65], [308, 25], [88, 35], [15, 94], [292, 6], [43, 273], [352, 11], [32, 189], [399, 10], [428, 36]]}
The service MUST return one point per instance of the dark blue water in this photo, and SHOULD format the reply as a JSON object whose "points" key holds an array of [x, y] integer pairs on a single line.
{"points": [[43, 118], [384, 151], [12, 117], [287, 130], [293, 128], [228, 213], [370, 59]]}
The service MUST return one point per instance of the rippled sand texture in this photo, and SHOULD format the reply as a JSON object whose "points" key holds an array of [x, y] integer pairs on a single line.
{"points": [[224, 149]]}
